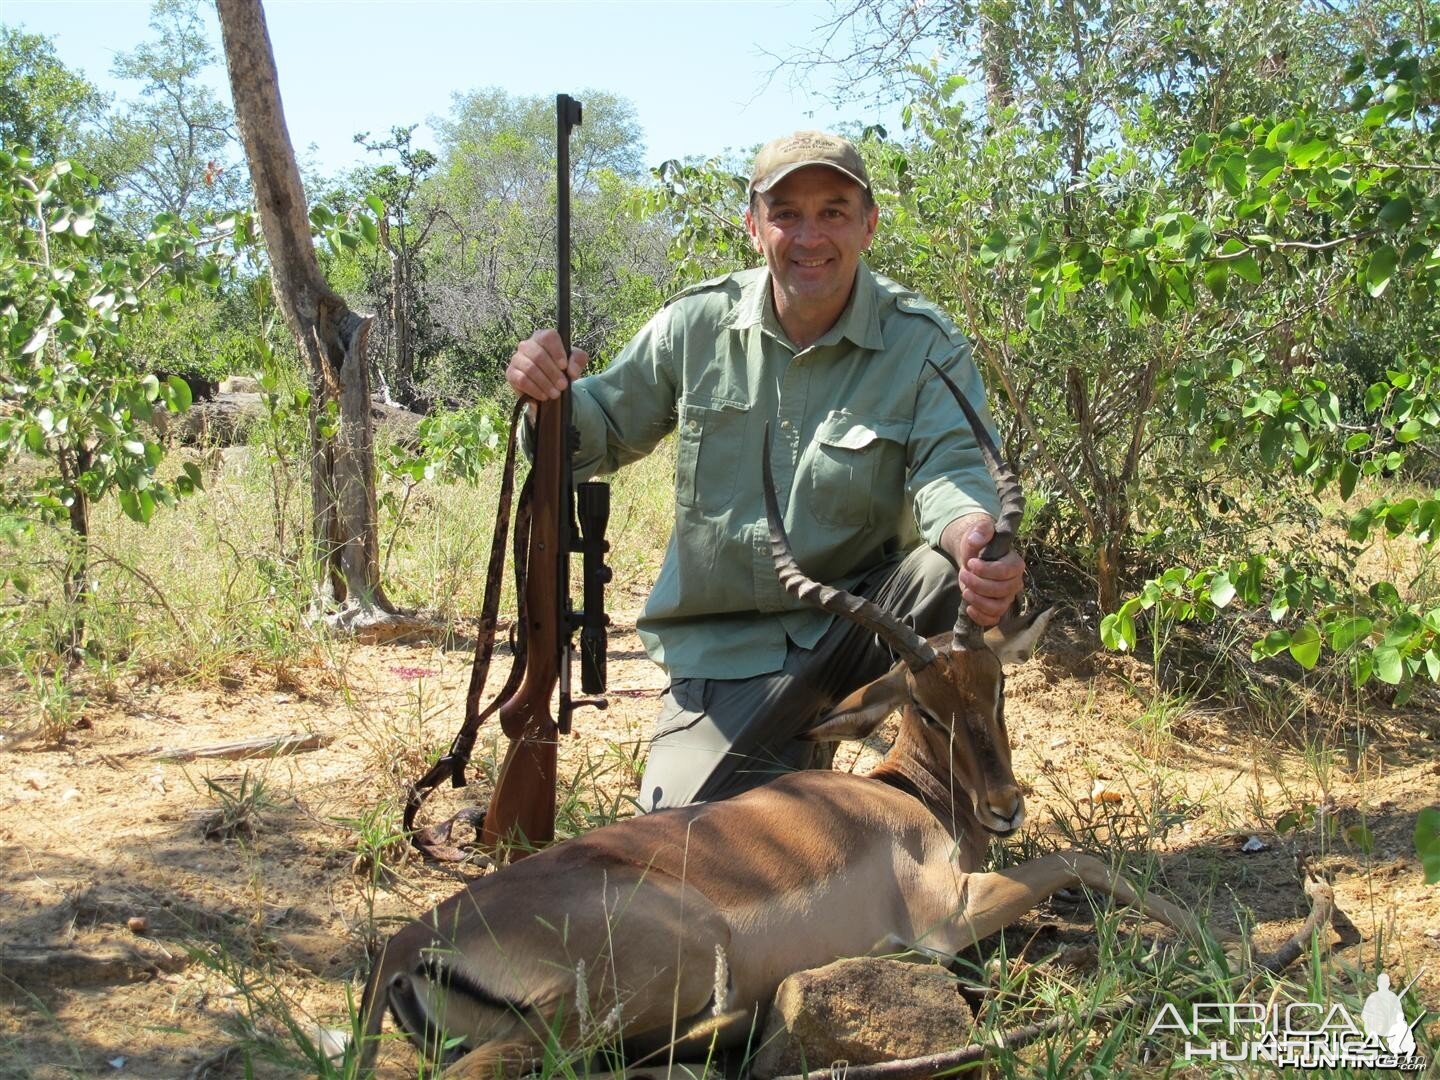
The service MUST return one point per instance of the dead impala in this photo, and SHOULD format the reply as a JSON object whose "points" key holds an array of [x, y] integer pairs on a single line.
{"points": [[672, 930]]}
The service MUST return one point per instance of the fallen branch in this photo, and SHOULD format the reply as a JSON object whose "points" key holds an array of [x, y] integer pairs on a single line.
{"points": [[34, 966], [1322, 910], [1013, 1039], [265, 746], [216, 1064]]}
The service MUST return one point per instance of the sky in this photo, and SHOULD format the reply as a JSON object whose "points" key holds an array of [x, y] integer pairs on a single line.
{"points": [[701, 73]]}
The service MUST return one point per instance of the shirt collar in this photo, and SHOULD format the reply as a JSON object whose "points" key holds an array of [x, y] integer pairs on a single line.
{"points": [[754, 303], [859, 322]]}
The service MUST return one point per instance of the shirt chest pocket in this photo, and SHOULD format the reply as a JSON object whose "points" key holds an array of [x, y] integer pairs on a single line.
{"points": [[857, 469], [710, 435]]}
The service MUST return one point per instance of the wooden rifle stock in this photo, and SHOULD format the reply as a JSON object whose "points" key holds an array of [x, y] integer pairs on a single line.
{"points": [[523, 806]]}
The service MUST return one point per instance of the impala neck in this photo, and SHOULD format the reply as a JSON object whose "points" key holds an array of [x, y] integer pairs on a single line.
{"points": [[910, 766]]}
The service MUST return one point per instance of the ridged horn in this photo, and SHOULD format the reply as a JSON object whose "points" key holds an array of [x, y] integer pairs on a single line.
{"points": [[1012, 505], [910, 646]]}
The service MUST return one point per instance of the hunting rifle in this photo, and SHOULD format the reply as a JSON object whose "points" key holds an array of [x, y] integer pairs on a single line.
{"points": [[524, 799], [555, 517]]}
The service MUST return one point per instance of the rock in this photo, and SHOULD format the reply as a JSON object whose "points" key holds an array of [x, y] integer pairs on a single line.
{"points": [[240, 384], [221, 422], [863, 1012]]}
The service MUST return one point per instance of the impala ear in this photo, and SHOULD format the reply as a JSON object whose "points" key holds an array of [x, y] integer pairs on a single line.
{"points": [[861, 712], [1017, 635]]}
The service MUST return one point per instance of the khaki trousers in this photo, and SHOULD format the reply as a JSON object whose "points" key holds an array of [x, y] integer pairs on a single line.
{"points": [[718, 737]]}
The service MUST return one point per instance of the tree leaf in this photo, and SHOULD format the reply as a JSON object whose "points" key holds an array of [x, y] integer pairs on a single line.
{"points": [[1349, 474], [1395, 214], [1305, 646], [1264, 160], [1221, 590], [1233, 175], [1271, 439], [1427, 842], [180, 396], [1246, 268], [36, 342], [1359, 837], [1389, 667], [1379, 270], [130, 504], [1347, 631], [1272, 643], [1306, 154], [1217, 277]]}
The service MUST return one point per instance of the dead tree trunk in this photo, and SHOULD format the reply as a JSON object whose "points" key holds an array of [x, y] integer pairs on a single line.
{"points": [[996, 43], [332, 338], [402, 316]]}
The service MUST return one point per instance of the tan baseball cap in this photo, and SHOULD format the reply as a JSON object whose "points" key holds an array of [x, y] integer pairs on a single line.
{"points": [[780, 157]]}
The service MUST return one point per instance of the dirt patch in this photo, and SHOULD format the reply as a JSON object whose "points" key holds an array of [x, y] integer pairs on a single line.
{"points": [[120, 868]]}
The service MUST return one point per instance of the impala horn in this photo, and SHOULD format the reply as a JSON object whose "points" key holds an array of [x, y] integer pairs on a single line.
{"points": [[910, 646], [1012, 507]]}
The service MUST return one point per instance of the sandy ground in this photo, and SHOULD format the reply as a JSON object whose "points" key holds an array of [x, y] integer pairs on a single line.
{"points": [[110, 886]]}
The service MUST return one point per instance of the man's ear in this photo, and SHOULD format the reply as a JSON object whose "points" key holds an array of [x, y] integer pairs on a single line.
{"points": [[872, 219], [753, 229], [861, 713]]}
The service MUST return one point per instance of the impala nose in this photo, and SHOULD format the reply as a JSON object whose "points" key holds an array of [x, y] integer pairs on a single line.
{"points": [[1007, 809]]}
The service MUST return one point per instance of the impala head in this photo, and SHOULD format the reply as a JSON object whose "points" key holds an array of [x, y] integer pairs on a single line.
{"points": [[950, 689]]}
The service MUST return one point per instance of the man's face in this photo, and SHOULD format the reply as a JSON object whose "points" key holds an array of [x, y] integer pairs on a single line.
{"points": [[812, 228]]}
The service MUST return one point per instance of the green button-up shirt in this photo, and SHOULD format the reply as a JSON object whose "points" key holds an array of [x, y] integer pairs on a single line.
{"points": [[861, 433]]}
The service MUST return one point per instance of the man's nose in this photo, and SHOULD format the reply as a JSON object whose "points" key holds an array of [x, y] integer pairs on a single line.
{"points": [[808, 231]]}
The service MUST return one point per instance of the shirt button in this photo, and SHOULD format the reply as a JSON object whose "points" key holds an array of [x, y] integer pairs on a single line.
{"points": [[693, 426], [784, 425]]}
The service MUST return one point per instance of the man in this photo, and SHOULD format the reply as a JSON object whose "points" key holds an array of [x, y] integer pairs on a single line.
{"points": [[832, 358]]}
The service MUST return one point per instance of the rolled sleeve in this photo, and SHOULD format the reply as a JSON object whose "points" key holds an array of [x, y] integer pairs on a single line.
{"points": [[947, 476]]}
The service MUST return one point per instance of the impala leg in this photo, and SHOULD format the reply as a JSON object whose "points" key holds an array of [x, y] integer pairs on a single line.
{"points": [[497, 1059], [995, 900]]}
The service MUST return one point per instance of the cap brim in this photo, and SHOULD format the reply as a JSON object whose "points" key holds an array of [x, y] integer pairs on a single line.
{"points": [[779, 174]]}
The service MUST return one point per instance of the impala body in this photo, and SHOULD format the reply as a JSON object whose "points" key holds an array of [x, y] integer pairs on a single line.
{"points": [[672, 931]]}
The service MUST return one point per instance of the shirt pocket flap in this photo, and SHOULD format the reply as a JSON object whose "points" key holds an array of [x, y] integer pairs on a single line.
{"points": [[702, 403], [855, 433]]}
